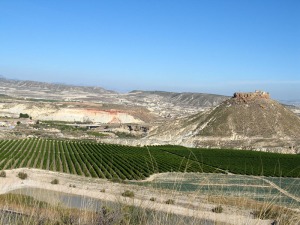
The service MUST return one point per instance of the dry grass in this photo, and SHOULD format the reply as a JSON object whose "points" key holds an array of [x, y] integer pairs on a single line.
{"points": [[121, 212], [260, 210], [18, 209]]}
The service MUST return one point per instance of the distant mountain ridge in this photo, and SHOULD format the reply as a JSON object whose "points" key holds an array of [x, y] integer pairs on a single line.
{"points": [[37, 85]]}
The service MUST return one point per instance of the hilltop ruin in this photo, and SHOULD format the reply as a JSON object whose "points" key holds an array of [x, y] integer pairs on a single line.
{"points": [[248, 96]]}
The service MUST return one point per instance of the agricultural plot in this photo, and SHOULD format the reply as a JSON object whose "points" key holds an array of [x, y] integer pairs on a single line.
{"points": [[134, 163], [241, 161], [93, 160]]}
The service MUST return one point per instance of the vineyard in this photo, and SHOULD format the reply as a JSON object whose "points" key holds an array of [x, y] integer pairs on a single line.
{"points": [[241, 161], [127, 162], [91, 159]]}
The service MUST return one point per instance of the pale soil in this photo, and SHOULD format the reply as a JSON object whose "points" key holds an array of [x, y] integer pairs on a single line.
{"points": [[187, 204]]}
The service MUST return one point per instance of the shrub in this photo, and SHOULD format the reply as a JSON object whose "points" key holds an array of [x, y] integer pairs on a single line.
{"points": [[128, 194], [170, 202], [152, 199], [218, 209], [55, 181], [22, 175], [2, 174], [102, 190], [25, 115], [266, 214]]}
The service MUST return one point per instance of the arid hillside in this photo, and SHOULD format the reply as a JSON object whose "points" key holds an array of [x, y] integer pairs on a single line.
{"points": [[163, 104], [245, 122]]}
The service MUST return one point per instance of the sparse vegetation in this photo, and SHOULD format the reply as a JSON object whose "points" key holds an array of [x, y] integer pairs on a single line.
{"points": [[128, 193], [24, 115], [55, 181], [152, 199], [217, 209], [31, 211], [97, 134], [102, 190], [22, 175], [125, 135], [2, 174], [170, 202]]}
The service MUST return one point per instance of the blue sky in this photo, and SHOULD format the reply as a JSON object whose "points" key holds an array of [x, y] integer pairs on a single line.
{"points": [[211, 46]]}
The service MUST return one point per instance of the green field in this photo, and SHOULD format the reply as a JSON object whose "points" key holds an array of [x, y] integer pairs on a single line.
{"points": [[241, 161], [133, 163]]}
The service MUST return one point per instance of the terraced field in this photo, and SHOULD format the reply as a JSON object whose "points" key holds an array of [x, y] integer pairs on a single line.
{"points": [[134, 163]]}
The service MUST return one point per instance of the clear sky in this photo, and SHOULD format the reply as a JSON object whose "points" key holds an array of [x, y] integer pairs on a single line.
{"points": [[210, 46]]}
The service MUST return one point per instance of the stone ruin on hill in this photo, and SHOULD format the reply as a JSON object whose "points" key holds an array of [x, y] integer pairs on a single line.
{"points": [[248, 96]]}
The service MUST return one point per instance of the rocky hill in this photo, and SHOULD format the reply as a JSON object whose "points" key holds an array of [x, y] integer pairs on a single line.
{"points": [[247, 120]]}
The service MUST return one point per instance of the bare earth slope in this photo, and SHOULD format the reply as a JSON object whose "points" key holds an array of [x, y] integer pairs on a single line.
{"points": [[187, 99], [76, 111], [260, 123]]}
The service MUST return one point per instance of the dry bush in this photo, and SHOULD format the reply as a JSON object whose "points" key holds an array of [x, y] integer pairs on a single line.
{"points": [[2, 174], [170, 202], [55, 181], [22, 175], [218, 209], [128, 193], [152, 199]]}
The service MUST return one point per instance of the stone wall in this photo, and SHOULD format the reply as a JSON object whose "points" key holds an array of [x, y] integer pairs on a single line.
{"points": [[245, 96]]}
